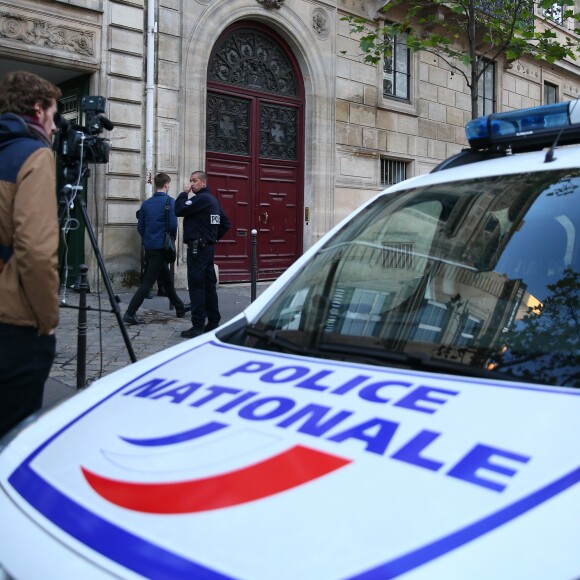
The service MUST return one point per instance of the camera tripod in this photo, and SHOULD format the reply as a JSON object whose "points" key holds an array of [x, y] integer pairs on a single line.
{"points": [[78, 202]]}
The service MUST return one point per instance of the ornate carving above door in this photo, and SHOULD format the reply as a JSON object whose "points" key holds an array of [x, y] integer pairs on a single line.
{"points": [[272, 3], [251, 60]]}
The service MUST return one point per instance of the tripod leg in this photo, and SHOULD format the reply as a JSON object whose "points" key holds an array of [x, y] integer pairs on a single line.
{"points": [[110, 292], [63, 243]]}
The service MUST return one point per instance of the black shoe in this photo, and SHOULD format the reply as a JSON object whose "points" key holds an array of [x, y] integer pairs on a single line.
{"points": [[210, 326], [149, 296], [132, 319], [187, 307], [192, 332], [180, 312]]}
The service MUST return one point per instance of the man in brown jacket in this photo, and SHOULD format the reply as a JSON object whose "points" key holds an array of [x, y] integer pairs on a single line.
{"points": [[28, 244]]}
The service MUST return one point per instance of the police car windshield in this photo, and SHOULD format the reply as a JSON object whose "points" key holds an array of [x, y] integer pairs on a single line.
{"points": [[481, 274]]}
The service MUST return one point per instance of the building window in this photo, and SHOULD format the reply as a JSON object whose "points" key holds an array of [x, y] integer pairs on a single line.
{"points": [[495, 8], [356, 311], [486, 90], [556, 12], [393, 171], [550, 94], [471, 328], [397, 68], [432, 320], [398, 255]]}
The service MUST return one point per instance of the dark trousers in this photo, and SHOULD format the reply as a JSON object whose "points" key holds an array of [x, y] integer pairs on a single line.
{"points": [[160, 288], [202, 282], [25, 361], [156, 268]]}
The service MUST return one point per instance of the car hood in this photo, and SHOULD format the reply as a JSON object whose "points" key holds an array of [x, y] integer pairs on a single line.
{"points": [[215, 461]]}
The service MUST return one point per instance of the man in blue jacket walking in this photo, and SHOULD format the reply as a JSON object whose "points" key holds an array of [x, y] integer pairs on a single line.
{"points": [[152, 225]]}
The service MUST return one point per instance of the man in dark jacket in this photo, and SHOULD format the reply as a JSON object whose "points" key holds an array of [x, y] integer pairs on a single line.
{"points": [[204, 223], [152, 221], [28, 243]]}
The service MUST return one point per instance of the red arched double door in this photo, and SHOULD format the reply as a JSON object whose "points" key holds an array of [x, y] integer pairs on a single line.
{"points": [[254, 150]]}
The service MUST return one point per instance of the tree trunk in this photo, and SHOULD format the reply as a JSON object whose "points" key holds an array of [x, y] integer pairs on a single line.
{"points": [[474, 62]]}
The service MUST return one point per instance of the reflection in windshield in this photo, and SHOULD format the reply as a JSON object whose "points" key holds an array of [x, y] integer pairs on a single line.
{"points": [[480, 273], [553, 322]]}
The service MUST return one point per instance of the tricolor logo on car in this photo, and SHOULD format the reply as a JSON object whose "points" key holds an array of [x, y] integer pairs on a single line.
{"points": [[341, 458]]}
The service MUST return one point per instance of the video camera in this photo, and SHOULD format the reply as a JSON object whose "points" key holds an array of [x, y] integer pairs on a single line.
{"points": [[76, 145]]}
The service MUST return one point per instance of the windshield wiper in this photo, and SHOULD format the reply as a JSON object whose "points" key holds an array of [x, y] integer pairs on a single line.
{"points": [[417, 361], [271, 338], [374, 356]]}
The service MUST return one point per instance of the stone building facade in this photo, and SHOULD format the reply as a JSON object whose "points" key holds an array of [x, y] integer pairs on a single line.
{"points": [[270, 97]]}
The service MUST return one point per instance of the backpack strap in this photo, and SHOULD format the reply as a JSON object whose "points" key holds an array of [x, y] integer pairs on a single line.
{"points": [[5, 255], [167, 216]]}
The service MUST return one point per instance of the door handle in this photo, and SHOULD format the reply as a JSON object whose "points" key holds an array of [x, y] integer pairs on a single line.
{"points": [[265, 216]]}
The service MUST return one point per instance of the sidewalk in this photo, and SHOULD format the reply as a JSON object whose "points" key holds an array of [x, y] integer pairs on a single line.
{"points": [[106, 348]]}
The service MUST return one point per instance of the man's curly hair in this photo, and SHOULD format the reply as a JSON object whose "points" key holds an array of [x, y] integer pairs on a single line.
{"points": [[21, 90]]}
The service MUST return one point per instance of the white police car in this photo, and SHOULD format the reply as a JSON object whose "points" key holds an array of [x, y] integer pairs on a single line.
{"points": [[402, 402]]}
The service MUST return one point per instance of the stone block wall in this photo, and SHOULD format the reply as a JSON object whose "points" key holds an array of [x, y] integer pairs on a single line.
{"points": [[121, 80], [429, 127], [349, 125]]}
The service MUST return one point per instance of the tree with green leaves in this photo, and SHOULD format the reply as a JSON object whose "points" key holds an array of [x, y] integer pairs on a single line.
{"points": [[469, 35]]}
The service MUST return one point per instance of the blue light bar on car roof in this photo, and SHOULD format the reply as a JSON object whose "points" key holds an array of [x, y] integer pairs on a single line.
{"points": [[525, 129]]}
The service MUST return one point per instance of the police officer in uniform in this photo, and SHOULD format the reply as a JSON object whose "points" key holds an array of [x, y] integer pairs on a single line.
{"points": [[204, 223]]}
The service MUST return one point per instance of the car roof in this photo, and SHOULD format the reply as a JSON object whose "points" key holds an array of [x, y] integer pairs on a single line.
{"points": [[566, 157]]}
